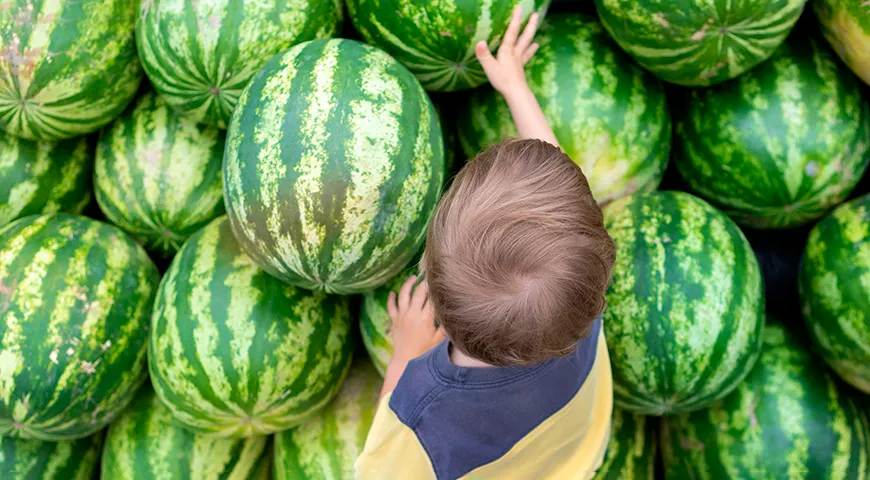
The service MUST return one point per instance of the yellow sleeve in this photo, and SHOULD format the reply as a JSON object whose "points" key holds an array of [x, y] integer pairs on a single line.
{"points": [[392, 450]]}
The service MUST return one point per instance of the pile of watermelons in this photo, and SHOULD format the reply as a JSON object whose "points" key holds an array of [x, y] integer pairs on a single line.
{"points": [[204, 203]]}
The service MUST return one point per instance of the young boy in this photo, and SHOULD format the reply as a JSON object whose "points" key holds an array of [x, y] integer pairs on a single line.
{"points": [[517, 263]]}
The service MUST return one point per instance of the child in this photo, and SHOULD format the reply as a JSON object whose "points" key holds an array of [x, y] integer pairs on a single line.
{"points": [[517, 263]]}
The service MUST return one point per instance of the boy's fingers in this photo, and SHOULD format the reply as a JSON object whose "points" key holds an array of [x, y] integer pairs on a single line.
{"points": [[513, 30], [528, 34], [392, 308], [484, 56], [439, 335], [420, 294], [530, 52], [405, 293]]}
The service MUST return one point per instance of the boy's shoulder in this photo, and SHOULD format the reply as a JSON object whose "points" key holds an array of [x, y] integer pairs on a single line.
{"points": [[467, 417]]}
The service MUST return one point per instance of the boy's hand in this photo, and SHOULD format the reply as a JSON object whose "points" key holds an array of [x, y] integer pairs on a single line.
{"points": [[506, 71], [413, 329]]}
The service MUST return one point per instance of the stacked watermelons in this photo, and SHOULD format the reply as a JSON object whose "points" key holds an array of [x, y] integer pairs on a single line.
{"points": [[143, 335]]}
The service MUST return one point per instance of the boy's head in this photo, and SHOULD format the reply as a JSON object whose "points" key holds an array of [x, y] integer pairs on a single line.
{"points": [[517, 258]]}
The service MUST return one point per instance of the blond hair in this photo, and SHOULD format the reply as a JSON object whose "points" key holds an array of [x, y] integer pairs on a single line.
{"points": [[517, 257]]}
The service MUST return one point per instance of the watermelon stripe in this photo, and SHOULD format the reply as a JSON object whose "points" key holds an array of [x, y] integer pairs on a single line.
{"points": [[75, 297], [145, 443], [789, 419], [770, 148], [835, 290], [43, 177], [225, 359], [33, 459], [158, 176], [685, 308], [436, 39], [621, 139], [326, 446], [699, 43], [66, 68], [631, 451], [342, 147], [846, 25], [200, 55]]}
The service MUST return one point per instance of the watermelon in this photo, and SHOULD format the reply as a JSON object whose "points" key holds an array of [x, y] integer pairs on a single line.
{"points": [[22, 459], [374, 321], [75, 295], [158, 175], [780, 145], [325, 447], [608, 114], [145, 443], [685, 308], [789, 419], [334, 165], [67, 67], [200, 55], [235, 352], [631, 451], [835, 290], [699, 43], [846, 25], [436, 40], [43, 177]]}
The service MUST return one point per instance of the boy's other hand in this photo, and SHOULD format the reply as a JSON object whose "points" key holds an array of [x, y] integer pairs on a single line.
{"points": [[506, 71], [413, 329]]}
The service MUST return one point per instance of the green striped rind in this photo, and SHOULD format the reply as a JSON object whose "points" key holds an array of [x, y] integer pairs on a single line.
{"points": [[43, 177], [608, 114], [781, 144], [325, 447], [789, 420], [374, 321], [22, 459], [236, 352], [200, 55], [699, 42], [436, 39], [685, 307], [631, 451], [145, 443], [835, 290], [158, 175], [846, 25], [66, 67], [334, 165], [75, 295]]}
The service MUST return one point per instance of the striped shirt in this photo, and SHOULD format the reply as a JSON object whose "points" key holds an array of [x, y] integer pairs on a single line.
{"points": [[444, 422]]}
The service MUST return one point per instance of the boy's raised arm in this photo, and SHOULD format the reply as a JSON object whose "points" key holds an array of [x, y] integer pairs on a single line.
{"points": [[506, 73]]}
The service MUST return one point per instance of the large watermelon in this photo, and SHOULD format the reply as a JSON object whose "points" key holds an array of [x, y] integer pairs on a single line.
{"points": [[158, 175], [75, 295], [699, 43], [236, 352], [835, 290], [22, 459], [145, 443], [67, 67], [200, 55], [781, 144], [788, 420], [608, 114], [436, 40], [43, 177], [325, 447], [685, 308], [631, 451], [334, 165], [374, 321], [846, 25]]}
